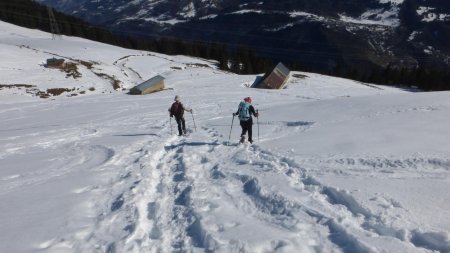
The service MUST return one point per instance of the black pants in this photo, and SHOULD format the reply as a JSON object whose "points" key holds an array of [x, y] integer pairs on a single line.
{"points": [[247, 126], [181, 125]]}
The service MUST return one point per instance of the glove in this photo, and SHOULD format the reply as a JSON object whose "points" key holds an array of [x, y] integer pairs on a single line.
{"points": [[171, 115]]}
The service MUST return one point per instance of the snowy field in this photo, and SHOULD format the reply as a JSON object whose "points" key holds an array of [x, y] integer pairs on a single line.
{"points": [[337, 165]]}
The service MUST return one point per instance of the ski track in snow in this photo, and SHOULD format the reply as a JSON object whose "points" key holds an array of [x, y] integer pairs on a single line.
{"points": [[164, 201], [127, 71]]}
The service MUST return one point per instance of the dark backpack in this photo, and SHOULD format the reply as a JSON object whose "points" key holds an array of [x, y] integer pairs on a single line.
{"points": [[176, 109]]}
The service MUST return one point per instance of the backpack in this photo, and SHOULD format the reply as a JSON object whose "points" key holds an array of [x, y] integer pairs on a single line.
{"points": [[244, 111], [176, 109]]}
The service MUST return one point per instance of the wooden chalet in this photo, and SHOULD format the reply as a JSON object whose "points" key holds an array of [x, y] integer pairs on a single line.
{"points": [[276, 79]]}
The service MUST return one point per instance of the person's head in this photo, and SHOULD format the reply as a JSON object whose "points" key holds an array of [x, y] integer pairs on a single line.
{"points": [[248, 99], [177, 98]]}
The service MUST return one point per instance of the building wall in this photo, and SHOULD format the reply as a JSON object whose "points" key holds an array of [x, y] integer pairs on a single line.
{"points": [[154, 88]]}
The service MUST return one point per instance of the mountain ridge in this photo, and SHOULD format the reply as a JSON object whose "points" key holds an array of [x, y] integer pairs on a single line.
{"points": [[323, 35]]}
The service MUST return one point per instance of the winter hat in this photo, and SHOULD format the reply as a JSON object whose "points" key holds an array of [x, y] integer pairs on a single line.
{"points": [[248, 99], [177, 98]]}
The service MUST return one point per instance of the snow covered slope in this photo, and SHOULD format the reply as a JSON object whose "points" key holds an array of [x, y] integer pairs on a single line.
{"points": [[337, 165]]}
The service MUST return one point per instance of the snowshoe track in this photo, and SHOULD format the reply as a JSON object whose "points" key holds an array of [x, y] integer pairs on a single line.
{"points": [[172, 197]]}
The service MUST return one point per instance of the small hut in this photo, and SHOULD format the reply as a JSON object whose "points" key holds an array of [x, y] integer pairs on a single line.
{"points": [[55, 63], [153, 84], [276, 79]]}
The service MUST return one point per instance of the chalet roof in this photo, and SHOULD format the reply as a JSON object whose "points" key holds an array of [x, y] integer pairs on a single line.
{"points": [[153, 84], [282, 69], [275, 79], [55, 62], [149, 83]]}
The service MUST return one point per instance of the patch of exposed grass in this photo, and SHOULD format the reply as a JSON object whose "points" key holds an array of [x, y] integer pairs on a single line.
{"points": [[299, 76], [57, 91], [112, 79], [72, 70], [88, 65], [10, 86], [42, 94]]}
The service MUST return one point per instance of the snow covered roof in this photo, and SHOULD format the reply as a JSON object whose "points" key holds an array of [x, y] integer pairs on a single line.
{"points": [[153, 84]]}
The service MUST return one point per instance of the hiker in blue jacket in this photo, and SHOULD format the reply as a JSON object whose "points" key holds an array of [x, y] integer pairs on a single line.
{"points": [[177, 109], [245, 112]]}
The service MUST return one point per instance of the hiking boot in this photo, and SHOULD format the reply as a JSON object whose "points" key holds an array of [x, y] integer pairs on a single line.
{"points": [[251, 141]]}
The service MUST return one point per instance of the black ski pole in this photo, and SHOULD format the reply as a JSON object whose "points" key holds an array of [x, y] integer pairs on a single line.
{"points": [[193, 120], [170, 125], [229, 136], [257, 122]]}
